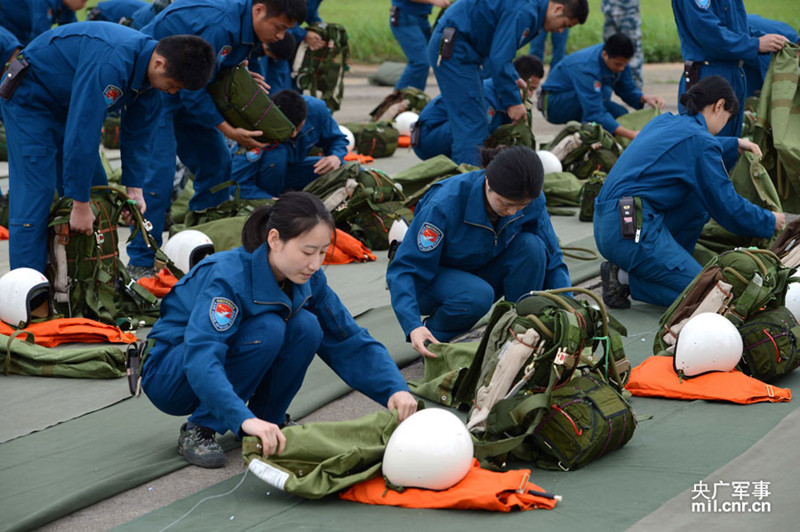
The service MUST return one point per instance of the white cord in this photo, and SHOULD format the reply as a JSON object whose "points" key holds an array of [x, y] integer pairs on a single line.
{"points": [[184, 516]]}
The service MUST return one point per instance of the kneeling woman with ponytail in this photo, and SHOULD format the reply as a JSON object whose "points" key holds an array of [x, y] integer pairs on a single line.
{"points": [[672, 178], [237, 334]]}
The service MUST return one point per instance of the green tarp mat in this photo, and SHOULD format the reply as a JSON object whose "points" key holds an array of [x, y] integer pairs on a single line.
{"points": [[681, 444]]}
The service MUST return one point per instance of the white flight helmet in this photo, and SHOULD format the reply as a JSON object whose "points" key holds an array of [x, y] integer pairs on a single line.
{"points": [[22, 291], [431, 449], [708, 342], [793, 300], [351, 139], [403, 121], [398, 230], [550, 162], [187, 248]]}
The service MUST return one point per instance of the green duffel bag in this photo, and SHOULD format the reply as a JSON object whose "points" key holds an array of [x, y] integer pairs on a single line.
{"points": [[518, 134], [587, 419], [770, 344], [635, 120], [376, 139], [20, 356], [424, 173], [110, 136], [243, 103], [561, 189]]}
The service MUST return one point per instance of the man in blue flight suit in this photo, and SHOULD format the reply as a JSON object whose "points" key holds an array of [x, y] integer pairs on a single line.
{"points": [[755, 71], [475, 237], [145, 14], [28, 18], [715, 40], [558, 42], [580, 87], [477, 39], [116, 10], [271, 61], [277, 66], [409, 23], [9, 46], [266, 173], [435, 133], [76, 75], [190, 124]]}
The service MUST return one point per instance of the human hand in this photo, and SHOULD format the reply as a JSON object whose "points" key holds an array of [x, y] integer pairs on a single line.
{"points": [[772, 42], [326, 164], [272, 439], [135, 194], [244, 137], [314, 40], [747, 145], [440, 3], [653, 101], [81, 219], [780, 220], [261, 81], [419, 337], [404, 403], [516, 113]]}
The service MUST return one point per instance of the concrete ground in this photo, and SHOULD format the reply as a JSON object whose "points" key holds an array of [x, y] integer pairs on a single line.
{"points": [[360, 99]]}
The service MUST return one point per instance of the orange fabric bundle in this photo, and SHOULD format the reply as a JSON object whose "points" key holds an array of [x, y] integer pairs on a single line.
{"points": [[363, 159], [655, 377], [3, 233], [160, 284], [51, 333], [479, 490], [347, 249], [403, 141]]}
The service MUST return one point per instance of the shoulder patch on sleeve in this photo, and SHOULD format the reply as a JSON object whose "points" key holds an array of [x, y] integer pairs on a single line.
{"points": [[223, 313], [429, 237], [703, 4]]}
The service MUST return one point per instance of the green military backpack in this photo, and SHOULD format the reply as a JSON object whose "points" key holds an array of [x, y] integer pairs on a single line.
{"points": [[88, 277], [364, 202], [737, 284], [110, 134], [243, 103], [518, 134], [585, 148], [376, 139], [418, 179], [3, 145], [321, 72], [770, 339], [589, 191], [408, 99]]}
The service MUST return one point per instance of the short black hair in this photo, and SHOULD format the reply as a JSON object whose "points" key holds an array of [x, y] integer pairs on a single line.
{"points": [[514, 172], [577, 9], [529, 65], [284, 49], [294, 10], [619, 45], [293, 105], [190, 60], [709, 91]]}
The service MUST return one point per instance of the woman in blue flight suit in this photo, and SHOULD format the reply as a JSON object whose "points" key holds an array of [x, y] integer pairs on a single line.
{"points": [[674, 173], [474, 238], [409, 23], [237, 334]]}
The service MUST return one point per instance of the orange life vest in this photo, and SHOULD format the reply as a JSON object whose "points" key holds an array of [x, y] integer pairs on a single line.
{"points": [[655, 377], [347, 249], [3, 233], [51, 333], [160, 284], [363, 159], [479, 490], [403, 141]]}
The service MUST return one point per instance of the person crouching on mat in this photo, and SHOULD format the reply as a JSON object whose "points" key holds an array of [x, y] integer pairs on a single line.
{"points": [[238, 332], [475, 237], [660, 193]]}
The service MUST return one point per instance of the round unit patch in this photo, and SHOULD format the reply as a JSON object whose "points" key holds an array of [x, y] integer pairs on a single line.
{"points": [[429, 237], [223, 313], [111, 94]]}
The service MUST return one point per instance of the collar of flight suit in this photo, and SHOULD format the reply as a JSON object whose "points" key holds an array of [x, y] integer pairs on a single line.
{"points": [[267, 291], [139, 80], [247, 35]]}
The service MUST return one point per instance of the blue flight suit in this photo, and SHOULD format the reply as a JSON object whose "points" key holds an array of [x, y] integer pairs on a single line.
{"points": [[436, 135], [8, 44], [142, 17], [28, 18], [559, 42], [187, 126], [412, 31], [454, 263], [488, 35], [715, 32], [756, 71], [268, 172], [580, 88], [231, 345], [312, 17], [280, 70], [77, 74], [675, 166], [116, 10]]}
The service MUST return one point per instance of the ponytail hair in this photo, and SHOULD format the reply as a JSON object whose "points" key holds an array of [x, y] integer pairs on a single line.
{"points": [[293, 214], [514, 172], [709, 91]]}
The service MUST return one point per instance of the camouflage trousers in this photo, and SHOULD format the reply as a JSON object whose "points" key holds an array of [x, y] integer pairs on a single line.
{"points": [[623, 16]]}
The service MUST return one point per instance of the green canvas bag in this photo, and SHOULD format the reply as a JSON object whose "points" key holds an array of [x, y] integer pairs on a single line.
{"points": [[323, 458], [561, 189], [585, 148], [422, 174], [736, 284], [444, 374], [589, 192], [518, 134], [408, 99], [376, 139], [243, 103], [635, 120], [770, 341], [110, 132], [87, 362], [3, 144], [387, 75], [321, 72]]}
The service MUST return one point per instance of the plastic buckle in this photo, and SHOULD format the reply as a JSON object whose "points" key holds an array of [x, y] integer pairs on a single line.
{"points": [[100, 238], [133, 359]]}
